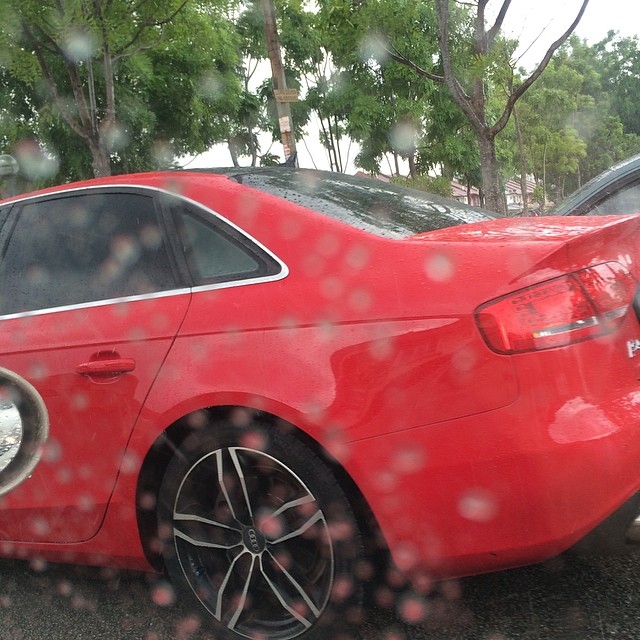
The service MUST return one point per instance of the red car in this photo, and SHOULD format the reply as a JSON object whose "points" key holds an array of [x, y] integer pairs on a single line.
{"points": [[257, 379]]}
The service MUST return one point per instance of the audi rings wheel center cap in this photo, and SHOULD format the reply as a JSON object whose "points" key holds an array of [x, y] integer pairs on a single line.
{"points": [[253, 540]]}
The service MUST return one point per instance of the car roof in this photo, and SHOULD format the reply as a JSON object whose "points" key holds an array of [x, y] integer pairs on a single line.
{"points": [[619, 172]]}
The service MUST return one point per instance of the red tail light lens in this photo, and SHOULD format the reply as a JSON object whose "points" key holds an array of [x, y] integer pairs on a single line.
{"points": [[579, 306]]}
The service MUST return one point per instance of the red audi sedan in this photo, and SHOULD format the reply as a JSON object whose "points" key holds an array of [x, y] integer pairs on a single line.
{"points": [[256, 380]]}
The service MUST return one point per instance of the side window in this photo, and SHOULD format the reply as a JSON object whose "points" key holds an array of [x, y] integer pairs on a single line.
{"points": [[625, 200], [83, 248], [217, 252]]}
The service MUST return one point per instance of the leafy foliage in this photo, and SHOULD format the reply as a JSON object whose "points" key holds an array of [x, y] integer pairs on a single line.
{"points": [[135, 82], [143, 87]]}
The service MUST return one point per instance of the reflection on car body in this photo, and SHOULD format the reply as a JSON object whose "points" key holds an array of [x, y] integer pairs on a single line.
{"points": [[255, 378]]}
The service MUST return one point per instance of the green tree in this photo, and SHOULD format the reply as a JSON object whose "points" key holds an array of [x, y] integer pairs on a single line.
{"points": [[474, 61], [571, 130], [383, 106], [620, 69], [125, 83]]}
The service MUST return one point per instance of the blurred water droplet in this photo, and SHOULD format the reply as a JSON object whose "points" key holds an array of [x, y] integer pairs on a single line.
{"points": [[439, 267], [241, 417], [290, 229], [35, 162], [373, 47], [197, 419], [65, 588], [403, 138], [79, 45], [186, 628], [130, 462], [381, 349], [163, 594], [341, 530], [117, 137], [38, 565], [384, 597], [79, 401], [342, 589], [211, 86], [336, 444], [37, 370], [413, 609], [86, 503], [64, 475], [405, 557], [163, 153], [147, 501], [272, 527], [478, 505], [386, 480], [409, 459], [360, 300], [253, 439], [328, 246], [52, 451], [331, 287], [357, 258]]}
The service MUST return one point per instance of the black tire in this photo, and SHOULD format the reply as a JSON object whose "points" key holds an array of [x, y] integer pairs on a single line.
{"points": [[256, 527]]}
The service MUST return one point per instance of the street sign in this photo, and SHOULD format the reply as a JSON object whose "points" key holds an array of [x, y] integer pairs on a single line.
{"points": [[286, 95]]}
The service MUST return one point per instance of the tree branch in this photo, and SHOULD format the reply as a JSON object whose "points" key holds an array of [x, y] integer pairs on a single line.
{"points": [[145, 25], [395, 55], [493, 32], [459, 95], [522, 88], [53, 88]]}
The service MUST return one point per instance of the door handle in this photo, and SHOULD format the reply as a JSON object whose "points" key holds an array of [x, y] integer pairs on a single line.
{"points": [[107, 367]]}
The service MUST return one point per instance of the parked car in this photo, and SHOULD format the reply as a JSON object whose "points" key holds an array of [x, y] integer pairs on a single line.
{"points": [[259, 380], [615, 191]]}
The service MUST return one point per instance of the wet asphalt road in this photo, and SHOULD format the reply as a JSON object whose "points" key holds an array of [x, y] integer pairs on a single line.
{"points": [[564, 599]]}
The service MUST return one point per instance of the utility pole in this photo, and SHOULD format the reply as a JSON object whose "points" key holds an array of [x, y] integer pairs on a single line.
{"points": [[282, 95]]}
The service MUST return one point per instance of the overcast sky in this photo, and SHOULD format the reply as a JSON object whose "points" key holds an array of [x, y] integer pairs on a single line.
{"points": [[537, 23]]}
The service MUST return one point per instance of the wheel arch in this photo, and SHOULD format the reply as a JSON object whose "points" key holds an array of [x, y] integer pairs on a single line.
{"points": [[159, 455]]}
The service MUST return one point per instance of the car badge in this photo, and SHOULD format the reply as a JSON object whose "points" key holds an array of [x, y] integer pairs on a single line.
{"points": [[633, 346]]}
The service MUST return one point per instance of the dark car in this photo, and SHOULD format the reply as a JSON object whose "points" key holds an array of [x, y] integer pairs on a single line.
{"points": [[615, 191]]}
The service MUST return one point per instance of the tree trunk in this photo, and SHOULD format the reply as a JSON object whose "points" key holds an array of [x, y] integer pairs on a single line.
{"points": [[523, 164], [100, 161], [493, 192], [544, 179], [413, 171]]}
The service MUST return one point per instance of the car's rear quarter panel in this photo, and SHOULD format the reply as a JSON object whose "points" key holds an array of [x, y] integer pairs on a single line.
{"points": [[371, 348]]}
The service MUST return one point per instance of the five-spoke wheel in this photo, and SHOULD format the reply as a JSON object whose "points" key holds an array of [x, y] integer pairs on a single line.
{"points": [[253, 533]]}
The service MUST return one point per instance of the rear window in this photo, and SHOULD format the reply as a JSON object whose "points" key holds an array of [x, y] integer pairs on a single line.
{"points": [[372, 205]]}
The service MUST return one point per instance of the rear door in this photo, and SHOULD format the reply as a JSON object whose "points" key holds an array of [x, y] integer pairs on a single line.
{"points": [[90, 303]]}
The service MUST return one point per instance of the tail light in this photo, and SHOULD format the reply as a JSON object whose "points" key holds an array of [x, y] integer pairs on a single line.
{"points": [[572, 308]]}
